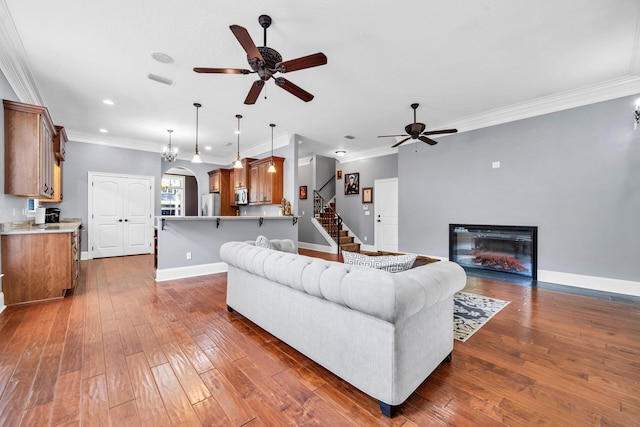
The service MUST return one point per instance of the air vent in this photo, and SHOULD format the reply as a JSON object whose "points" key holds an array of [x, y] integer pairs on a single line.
{"points": [[350, 137], [160, 79]]}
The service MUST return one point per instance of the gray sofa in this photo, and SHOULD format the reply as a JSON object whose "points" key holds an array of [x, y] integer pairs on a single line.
{"points": [[382, 332]]}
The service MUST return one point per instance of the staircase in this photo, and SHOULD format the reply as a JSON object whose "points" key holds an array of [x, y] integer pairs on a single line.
{"points": [[325, 213]]}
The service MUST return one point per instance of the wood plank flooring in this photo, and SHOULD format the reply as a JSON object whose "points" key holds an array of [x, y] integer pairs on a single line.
{"points": [[124, 350]]}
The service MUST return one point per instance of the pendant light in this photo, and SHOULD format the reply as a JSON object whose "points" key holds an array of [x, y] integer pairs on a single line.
{"points": [[272, 167], [196, 155], [238, 163], [170, 153]]}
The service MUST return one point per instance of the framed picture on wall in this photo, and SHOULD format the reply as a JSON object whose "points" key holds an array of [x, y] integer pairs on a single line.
{"points": [[352, 183], [303, 192], [339, 175], [367, 195]]}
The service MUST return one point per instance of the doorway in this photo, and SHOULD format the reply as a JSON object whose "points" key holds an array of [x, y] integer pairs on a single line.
{"points": [[120, 214], [386, 214]]}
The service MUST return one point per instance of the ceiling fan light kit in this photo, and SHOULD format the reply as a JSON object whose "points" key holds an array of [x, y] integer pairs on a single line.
{"points": [[416, 130], [266, 62], [196, 154]]}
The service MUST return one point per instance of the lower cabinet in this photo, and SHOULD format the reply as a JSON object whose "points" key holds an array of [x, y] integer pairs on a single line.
{"points": [[39, 266]]}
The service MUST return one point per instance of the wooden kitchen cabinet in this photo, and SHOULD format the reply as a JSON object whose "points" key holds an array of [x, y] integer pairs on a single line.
{"points": [[59, 142], [221, 181], [241, 177], [39, 266], [28, 150], [214, 181], [266, 188]]}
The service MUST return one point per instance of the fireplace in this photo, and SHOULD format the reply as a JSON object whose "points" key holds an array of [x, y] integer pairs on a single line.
{"points": [[501, 248]]}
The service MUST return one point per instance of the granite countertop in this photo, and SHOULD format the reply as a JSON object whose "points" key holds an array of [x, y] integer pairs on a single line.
{"points": [[66, 225]]}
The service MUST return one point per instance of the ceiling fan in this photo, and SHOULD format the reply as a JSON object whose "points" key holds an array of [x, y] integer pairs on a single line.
{"points": [[415, 130], [266, 62]]}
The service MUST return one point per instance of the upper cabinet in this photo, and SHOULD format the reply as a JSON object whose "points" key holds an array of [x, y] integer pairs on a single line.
{"points": [[28, 150], [59, 141], [266, 188], [221, 181], [241, 176]]}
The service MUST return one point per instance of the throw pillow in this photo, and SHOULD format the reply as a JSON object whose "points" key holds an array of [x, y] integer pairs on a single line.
{"points": [[392, 264], [263, 242]]}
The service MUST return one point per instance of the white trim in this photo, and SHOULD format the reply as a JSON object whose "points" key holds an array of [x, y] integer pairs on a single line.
{"points": [[332, 244], [604, 284], [2, 306], [190, 271], [319, 248]]}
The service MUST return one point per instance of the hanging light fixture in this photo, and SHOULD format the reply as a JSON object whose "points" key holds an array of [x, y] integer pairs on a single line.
{"points": [[272, 167], [196, 155], [637, 114], [170, 153], [238, 163]]}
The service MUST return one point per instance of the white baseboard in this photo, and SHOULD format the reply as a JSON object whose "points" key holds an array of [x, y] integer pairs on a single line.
{"points": [[605, 284], [319, 248], [190, 271], [2, 306]]}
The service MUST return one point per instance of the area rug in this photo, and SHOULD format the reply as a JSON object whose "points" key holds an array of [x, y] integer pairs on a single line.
{"points": [[471, 311]]}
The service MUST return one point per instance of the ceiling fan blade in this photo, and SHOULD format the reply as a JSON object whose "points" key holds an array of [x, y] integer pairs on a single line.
{"points": [[293, 89], [398, 143], [221, 70], [390, 136], [427, 140], [254, 92], [246, 41], [437, 132], [301, 63]]}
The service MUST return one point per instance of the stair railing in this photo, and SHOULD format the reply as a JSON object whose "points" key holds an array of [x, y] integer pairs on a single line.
{"points": [[321, 206]]}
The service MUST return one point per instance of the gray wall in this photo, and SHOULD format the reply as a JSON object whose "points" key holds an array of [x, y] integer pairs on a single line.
{"points": [[324, 169], [307, 232], [350, 207], [575, 174]]}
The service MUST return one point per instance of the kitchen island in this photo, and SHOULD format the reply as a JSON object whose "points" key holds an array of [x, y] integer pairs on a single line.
{"points": [[190, 245], [40, 262]]}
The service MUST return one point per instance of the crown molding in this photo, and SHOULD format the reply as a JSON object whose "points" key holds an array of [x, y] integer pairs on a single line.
{"points": [[14, 61], [368, 154], [604, 91]]}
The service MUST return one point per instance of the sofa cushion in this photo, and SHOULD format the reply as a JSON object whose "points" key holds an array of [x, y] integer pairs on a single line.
{"points": [[263, 242], [390, 263]]}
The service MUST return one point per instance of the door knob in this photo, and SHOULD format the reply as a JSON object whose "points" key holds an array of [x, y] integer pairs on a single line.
{"points": [[120, 220], [126, 220]]}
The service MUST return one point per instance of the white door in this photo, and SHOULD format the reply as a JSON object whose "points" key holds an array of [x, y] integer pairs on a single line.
{"points": [[120, 221], [385, 199]]}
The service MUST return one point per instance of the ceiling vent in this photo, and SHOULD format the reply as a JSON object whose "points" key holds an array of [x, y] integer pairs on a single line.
{"points": [[160, 79]]}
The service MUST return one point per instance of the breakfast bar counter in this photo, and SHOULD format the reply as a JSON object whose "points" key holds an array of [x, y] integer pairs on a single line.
{"points": [[190, 246]]}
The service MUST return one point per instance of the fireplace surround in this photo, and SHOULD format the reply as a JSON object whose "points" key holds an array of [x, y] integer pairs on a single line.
{"points": [[501, 248]]}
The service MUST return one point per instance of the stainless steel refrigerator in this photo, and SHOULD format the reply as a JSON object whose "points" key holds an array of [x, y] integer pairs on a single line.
{"points": [[210, 204]]}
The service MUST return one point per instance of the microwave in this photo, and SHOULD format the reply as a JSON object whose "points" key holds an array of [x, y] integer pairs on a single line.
{"points": [[242, 196]]}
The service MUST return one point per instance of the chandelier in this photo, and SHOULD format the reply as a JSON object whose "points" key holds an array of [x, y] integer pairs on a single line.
{"points": [[170, 153]]}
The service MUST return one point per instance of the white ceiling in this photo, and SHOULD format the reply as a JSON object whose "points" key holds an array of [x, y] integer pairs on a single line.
{"points": [[469, 63]]}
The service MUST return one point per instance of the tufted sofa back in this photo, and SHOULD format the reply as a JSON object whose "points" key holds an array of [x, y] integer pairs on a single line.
{"points": [[387, 296]]}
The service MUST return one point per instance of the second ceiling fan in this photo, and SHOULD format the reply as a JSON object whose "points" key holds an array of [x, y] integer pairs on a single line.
{"points": [[416, 130], [266, 61]]}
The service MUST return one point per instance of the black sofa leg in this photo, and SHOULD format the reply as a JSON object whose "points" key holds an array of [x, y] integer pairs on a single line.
{"points": [[387, 409], [449, 357], [230, 309]]}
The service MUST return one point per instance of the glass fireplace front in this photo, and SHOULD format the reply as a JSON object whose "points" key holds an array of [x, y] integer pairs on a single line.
{"points": [[507, 249]]}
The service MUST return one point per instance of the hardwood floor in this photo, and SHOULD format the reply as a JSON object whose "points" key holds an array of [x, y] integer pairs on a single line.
{"points": [[124, 350]]}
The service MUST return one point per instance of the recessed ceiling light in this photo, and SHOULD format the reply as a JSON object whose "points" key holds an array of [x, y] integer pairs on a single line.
{"points": [[208, 148], [104, 130], [160, 79], [162, 57], [107, 101], [340, 153]]}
